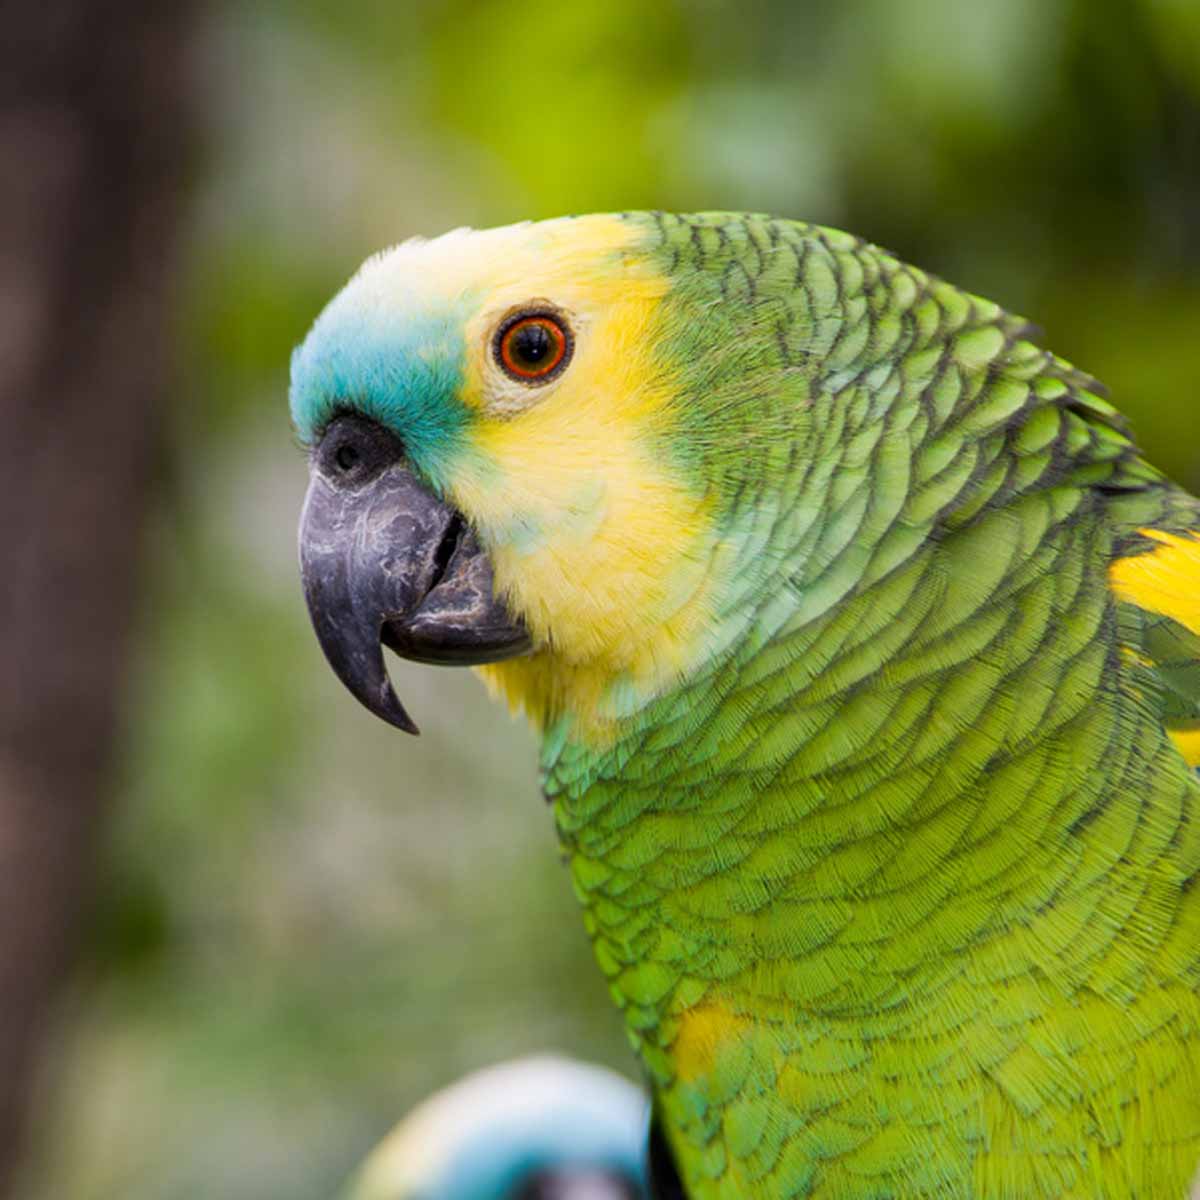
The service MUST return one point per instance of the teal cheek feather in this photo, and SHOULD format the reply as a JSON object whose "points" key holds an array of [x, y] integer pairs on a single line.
{"points": [[402, 369]]}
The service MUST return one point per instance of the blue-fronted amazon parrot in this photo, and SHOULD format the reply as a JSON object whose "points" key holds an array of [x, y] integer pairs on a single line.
{"points": [[864, 646]]}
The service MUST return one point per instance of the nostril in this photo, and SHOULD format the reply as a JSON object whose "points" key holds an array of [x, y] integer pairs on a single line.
{"points": [[446, 547]]}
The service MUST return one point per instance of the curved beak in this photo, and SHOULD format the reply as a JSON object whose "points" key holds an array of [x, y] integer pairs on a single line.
{"points": [[387, 562]]}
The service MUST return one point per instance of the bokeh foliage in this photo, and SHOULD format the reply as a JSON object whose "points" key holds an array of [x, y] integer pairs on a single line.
{"points": [[304, 920]]}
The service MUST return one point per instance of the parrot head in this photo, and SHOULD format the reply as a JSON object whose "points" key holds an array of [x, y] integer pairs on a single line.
{"points": [[514, 439]]}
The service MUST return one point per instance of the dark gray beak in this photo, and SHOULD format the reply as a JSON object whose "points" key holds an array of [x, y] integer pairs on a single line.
{"points": [[385, 562]]}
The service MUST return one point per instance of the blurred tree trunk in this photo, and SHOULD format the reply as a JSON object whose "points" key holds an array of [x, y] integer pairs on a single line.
{"points": [[95, 124]]}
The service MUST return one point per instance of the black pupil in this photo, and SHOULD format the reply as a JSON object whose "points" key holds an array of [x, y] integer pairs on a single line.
{"points": [[532, 344], [346, 457]]}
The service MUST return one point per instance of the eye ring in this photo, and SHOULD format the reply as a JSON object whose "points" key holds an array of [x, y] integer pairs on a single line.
{"points": [[534, 346]]}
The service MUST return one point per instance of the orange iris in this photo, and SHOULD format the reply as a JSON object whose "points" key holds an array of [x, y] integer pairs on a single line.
{"points": [[533, 347]]}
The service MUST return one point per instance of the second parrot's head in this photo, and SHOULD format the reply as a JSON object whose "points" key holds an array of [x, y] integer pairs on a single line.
{"points": [[519, 458]]}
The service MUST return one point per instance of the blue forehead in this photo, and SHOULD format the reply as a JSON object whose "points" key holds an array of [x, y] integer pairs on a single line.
{"points": [[371, 353]]}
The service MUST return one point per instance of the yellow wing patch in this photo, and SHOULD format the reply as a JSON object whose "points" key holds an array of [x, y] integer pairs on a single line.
{"points": [[1188, 742], [704, 1033], [1166, 580]]}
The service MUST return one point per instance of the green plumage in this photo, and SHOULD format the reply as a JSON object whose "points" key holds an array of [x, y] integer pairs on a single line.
{"points": [[895, 890]]}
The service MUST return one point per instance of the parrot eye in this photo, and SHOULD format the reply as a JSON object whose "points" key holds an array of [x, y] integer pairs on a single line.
{"points": [[533, 347]]}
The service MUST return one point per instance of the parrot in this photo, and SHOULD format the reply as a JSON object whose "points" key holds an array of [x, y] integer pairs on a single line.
{"points": [[863, 644], [538, 1128]]}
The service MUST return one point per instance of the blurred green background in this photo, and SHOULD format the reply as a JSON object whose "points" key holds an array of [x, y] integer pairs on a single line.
{"points": [[306, 921]]}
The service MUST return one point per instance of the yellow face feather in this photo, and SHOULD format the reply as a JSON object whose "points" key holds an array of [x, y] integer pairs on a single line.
{"points": [[594, 539]]}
